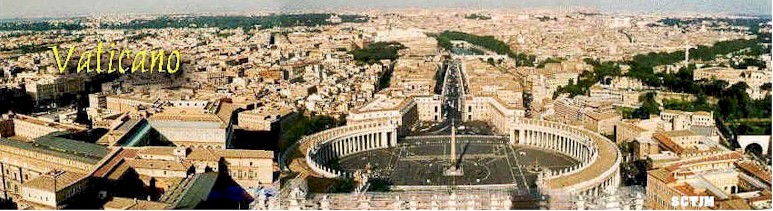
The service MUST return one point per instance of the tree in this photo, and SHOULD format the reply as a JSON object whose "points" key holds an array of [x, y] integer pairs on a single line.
{"points": [[385, 79], [735, 102], [233, 22], [375, 52], [490, 61], [489, 42], [649, 106], [305, 125], [765, 86], [714, 87], [642, 65], [476, 16]]}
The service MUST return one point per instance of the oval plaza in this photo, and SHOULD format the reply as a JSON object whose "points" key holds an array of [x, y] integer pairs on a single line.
{"points": [[527, 155]]}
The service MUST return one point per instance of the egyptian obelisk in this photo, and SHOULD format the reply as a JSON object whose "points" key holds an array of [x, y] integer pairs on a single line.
{"points": [[453, 169], [453, 145]]}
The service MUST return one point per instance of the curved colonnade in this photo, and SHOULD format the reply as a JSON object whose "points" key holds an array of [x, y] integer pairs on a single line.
{"points": [[340, 142], [599, 158]]}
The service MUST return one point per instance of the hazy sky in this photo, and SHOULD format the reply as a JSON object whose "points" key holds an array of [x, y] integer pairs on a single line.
{"points": [[70, 8]]}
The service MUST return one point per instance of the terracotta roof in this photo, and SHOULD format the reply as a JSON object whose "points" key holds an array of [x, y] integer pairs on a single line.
{"points": [[216, 154], [114, 162], [240, 153], [731, 156], [203, 154], [755, 170], [600, 116], [118, 172], [41, 165], [120, 203], [61, 147], [735, 204], [678, 133], [225, 111], [51, 180], [208, 154], [687, 190], [158, 164], [666, 141], [661, 174], [156, 150]]}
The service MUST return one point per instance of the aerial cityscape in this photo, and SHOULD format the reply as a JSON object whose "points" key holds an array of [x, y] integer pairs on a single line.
{"points": [[437, 105]]}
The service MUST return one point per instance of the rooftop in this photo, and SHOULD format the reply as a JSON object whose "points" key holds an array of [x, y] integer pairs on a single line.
{"points": [[484, 80], [53, 141], [755, 170], [120, 203], [62, 147], [208, 154], [191, 191], [55, 179], [382, 103], [678, 133], [158, 164]]}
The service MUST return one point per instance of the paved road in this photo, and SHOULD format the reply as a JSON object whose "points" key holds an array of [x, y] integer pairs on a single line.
{"points": [[451, 87]]}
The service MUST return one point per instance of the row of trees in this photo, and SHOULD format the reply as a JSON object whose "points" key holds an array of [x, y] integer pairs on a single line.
{"points": [[232, 22], [642, 68], [752, 23], [489, 42], [440, 77], [542, 63], [375, 52], [386, 78], [225, 22], [476, 16], [732, 104], [40, 26], [732, 100], [642, 65]]}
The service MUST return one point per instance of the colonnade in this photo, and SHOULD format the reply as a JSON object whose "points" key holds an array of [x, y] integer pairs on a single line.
{"points": [[353, 144], [352, 140], [599, 157], [574, 146], [612, 182]]}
